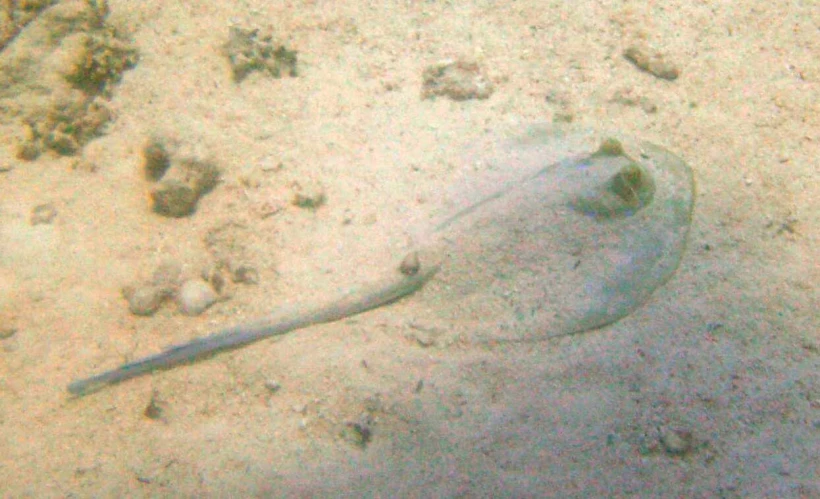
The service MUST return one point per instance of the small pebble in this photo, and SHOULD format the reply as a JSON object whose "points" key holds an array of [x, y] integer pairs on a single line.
{"points": [[144, 300], [410, 265], [156, 159], [629, 97], [245, 274], [652, 62], [184, 182], [458, 80], [156, 408], [676, 441], [84, 165], [174, 199], [43, 214], [213, 276], [195, 296], [423, 338], [308, 195], [359, 432]]}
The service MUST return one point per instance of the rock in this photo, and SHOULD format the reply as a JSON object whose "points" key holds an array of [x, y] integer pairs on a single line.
{"points": [[652, 62], [182, 179], [195, 296], [245, 274], [156, 408], [180, 189], [212, 274], [360, 431], [457, 80], [629, 97], [410, 265], [43, 214], [7, 332], [309, 195], [156, 159], [676, 441], [144, 300]]}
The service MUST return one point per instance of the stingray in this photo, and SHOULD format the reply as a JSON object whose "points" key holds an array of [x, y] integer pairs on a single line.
{"points": [[590, 226]]}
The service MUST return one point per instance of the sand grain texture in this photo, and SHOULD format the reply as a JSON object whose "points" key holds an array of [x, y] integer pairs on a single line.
{"points": [[709, 389]]}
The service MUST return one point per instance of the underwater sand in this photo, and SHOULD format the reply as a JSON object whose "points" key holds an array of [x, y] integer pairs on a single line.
{"points": [[708, 389]]}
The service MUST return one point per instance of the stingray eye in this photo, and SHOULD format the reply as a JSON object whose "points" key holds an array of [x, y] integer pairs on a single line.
{"points": [[625, 193], [628, 183]]}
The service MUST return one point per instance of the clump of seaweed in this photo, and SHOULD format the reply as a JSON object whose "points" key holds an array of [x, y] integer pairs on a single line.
{"points": [[56, 75]]}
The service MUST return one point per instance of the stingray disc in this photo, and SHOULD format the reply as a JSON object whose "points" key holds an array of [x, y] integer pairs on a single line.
{"points": [[563, 232]]}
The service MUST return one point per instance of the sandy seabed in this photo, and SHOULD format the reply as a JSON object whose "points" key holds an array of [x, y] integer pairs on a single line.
{"points": [[709, 390]]}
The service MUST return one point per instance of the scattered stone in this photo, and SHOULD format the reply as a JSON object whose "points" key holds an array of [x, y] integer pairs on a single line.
{"points": [[213, 276], [310, 196], [57, 67], [273, 386], [245, 274], [180, 189], [359, 432], [564, 102], [457, 80], [84, 165], [157, 159], [43, 214], [676, 441], [810, 342], [195, 296], [787, 226], [155, 409], [628, 97], [410, 265], [247, 50], [424, 336], [560, 98], [251, 178], [144, 300], [7, 332], [182, 179], [652, 62], [374, 403]]}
